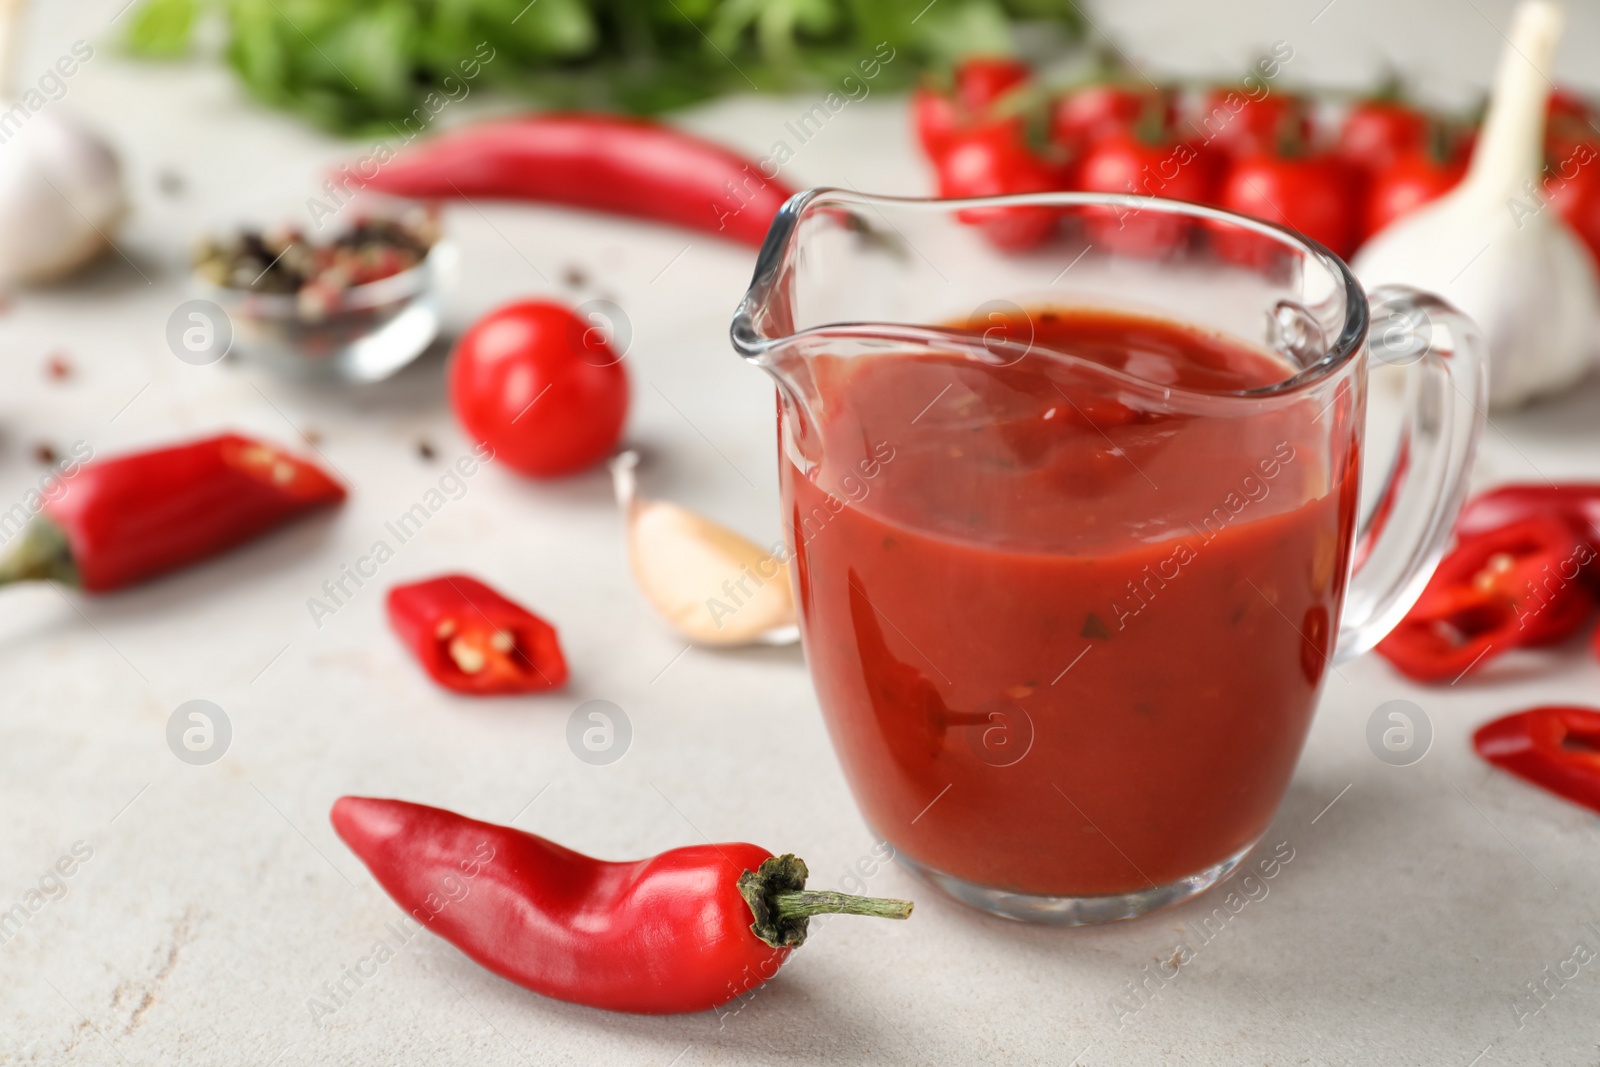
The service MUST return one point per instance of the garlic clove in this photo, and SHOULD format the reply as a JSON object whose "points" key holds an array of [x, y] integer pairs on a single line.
{"points": [[711, 584], [1494, 247]]}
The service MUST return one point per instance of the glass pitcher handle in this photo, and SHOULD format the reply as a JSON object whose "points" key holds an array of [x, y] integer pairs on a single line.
{"points": [[1405, 532]]}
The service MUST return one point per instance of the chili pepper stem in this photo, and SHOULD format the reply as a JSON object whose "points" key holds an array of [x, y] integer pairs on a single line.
{"points": [[808, 902], [781, 904], [41, 554]]}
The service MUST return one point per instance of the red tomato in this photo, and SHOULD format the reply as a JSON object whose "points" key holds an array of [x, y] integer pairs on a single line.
{"points": [[1311, 194], [540, 386], [1085, 117], [1575, 192], [937, 115], [1567, 107], [934, 116], [994, 160], [982, 80], [1126, 165], [1376, 133], [1240, 126], [1410, 182]]}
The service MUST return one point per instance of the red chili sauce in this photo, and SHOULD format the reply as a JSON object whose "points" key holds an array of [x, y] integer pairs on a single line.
{"points": [[1068, 638]]}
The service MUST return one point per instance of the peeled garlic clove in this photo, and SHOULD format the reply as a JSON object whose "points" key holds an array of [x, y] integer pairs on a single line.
{"points": [[712, 585]]}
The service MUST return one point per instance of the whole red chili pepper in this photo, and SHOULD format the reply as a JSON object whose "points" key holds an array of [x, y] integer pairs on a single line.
{"points": [[119, 521], [473, 640], [604, 162], [1557, 747], [684, 931], [1515, 586]]}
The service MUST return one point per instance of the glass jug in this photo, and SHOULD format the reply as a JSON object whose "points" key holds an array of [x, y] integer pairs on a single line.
{"points": [[1074, 529]]}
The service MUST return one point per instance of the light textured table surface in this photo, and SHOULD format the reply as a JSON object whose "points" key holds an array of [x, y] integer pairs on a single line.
{"points": [[1419, 903]]}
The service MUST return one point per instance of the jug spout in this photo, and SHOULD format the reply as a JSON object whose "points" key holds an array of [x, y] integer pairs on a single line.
{"points": [[799, 401]]}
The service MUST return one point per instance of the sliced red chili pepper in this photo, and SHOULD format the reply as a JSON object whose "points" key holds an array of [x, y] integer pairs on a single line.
{"points": [[603, 162], [122, 520], [1557, 747], [1577, 502], [1511, 587], [684, 931], [470, 639]]}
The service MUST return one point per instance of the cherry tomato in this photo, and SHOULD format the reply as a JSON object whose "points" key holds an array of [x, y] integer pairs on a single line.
{"points": [[938, 116], [1124, 164], [1311, 194], [1237, 125], [1572, 147], [1376, 133], [1569, 120], [1085, 117], [1575, 192], [1567, 109], [935, 118], [1410, 182], [540, 386], [982, 80], [994, 160]]}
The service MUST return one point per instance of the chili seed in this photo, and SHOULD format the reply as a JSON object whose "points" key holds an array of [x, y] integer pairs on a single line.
{"points": [[446, 628], [471, 660], [502, 641]]}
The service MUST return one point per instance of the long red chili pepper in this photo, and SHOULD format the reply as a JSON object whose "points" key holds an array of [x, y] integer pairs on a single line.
{"points": [[605, 162], [1557, 747], [684, 931], [119, 521], [471, 639]]}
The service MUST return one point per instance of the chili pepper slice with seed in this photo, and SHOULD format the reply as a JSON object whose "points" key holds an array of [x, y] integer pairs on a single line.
{"points": [[1557, 747], [471, 639], [687, 930], [122, 520], [1516, 586]]}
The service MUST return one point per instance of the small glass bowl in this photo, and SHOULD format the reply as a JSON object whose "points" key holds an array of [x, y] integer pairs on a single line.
{"points": [[370, 333]]}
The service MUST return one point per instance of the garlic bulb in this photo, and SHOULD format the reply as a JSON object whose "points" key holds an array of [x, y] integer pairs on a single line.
{"points": [[1493, 247], [61, 191], [712, 585]]}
